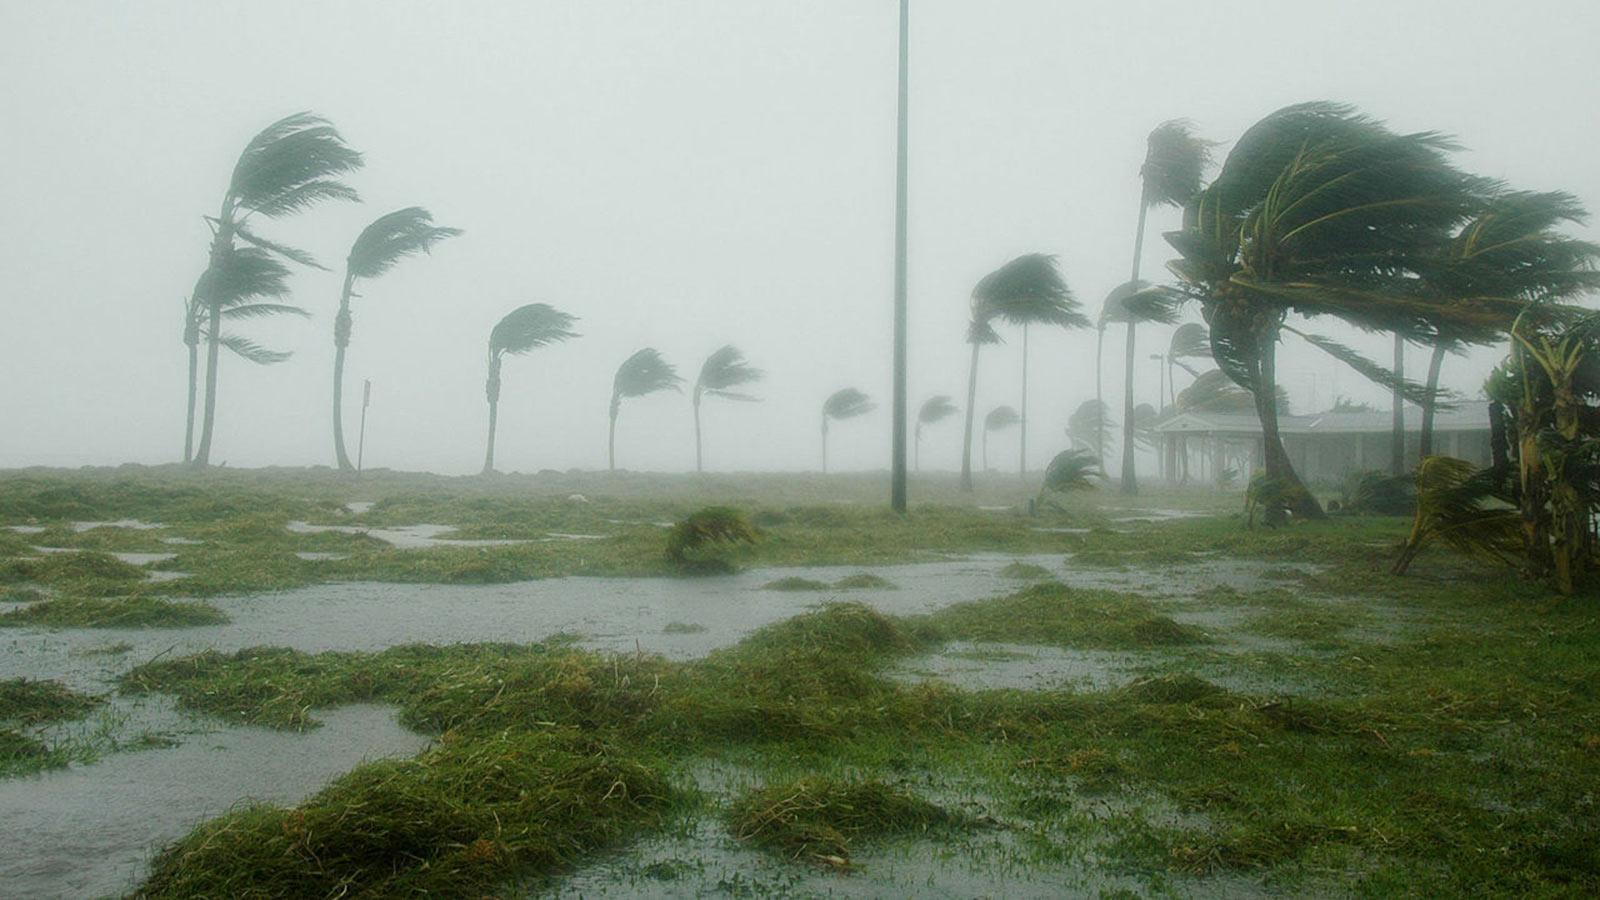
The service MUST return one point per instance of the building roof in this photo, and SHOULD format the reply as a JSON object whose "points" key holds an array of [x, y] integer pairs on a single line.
{"points": [[1470, 415]]}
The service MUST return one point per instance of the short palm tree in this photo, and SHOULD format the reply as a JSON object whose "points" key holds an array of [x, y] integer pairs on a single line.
{"points": [[934, 410], [845, 403], [379, 247], [999, 419], [722, 371], [523, 329], [245, 286], [645, 372], [1129, 304], [1029, 289], [289, 167], [1070, 471]]}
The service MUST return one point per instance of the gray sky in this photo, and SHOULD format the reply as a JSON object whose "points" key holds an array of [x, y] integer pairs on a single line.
{"points": [[680, 175]]}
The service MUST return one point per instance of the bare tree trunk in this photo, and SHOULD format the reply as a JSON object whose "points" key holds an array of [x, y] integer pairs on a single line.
{"points": [[491, 390], [699, 464], [202, 456], [1425, 439], [1397, 438], [341, 340], [611, 436], [1275, 456], [194, 386], [1022, 465], [966, 443]]}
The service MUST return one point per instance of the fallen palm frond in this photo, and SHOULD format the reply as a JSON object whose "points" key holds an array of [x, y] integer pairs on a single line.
{"points": [[1459, 504]]}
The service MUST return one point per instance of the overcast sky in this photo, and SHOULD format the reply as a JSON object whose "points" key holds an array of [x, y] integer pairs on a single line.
{"points": [[677, 175]]}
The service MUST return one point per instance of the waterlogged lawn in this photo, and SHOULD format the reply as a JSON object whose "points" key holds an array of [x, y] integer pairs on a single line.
{"points": [[1338, 730]]}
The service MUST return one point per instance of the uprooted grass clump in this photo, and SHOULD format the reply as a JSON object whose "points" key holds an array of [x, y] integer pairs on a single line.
{"points": [[700, 542], [795, 583], [86, 572], [864, 581], [1063, 616], [1025, 571], [822, 820], [116, 612], [459, 820], [24, 701], [857, 582]]}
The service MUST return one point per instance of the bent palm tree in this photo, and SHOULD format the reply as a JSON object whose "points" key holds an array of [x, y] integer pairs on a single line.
{"points": [[1129, 304], [998, 419], [722, 371], [1087, 425], [1174, 161], [379, 247], [934, 410], [1189, 341], [845, 403], [1070, 471], [1026, 290], [645, 372], [289, 167], [523, 329]]}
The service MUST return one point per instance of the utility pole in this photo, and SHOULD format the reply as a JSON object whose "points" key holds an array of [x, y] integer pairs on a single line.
{"points": [[366, 401], [897, 489]]}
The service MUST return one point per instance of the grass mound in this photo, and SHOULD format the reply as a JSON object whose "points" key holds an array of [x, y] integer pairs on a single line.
{"points": [[795, 583], [22, 595], [1061, 616], [459, 820], [684, 628], [67, 568], [822, 819], [20, 754], [864, 581], [24, 701], [1023, 571], [1173, 689], [126, 612], [700, 542]]}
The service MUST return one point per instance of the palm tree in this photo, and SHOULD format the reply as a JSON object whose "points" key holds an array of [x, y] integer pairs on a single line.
{"points": [[1129, 304], [1510, 250], [645, 372], [1026, 290], [289, 167], [1087, 425], [1189, 341], [1317, 211], [934, 410], [1070, 471], [245, 286], [379, 247], [523, 329], [998, 419], [845, 403], [1174, 161], [722, 371]]}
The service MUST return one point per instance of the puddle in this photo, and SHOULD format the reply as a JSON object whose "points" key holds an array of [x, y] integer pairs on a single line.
{"points": [[403, 537], [26, 529], [360, 507], [317, 556], [130, 524], [986, 666], [1160, 515], [181, 541]]}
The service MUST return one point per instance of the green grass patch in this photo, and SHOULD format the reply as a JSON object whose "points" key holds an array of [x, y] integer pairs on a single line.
{"points": [[1024, 571], [1062, 616], [795, 583], [121, 612], [864, 581], [27, 702], [823, 819]]}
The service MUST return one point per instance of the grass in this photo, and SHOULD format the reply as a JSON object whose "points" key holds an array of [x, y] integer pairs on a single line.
{"points": [[822, 819], [1024, 571], [117, 612], [1456, 755], [25, 705]]}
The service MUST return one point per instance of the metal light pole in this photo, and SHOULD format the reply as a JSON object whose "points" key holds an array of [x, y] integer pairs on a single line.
{"points": [[366, 401], [897, 489]]}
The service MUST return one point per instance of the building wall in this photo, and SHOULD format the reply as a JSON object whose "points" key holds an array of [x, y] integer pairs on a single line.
{"points": [[1333, 456]]}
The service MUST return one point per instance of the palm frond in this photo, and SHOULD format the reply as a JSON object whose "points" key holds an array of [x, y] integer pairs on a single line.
{"points": [[1000, 417], [250, 350], [1071, 470], [392, 237], [1091, 419], [645, 372], [263, 310], [241, 275], [847, 403], [725, 369], [1174, 162], [1461, 505], [528, 327], [936, 409], [1027, 290], [292, 164], [293, 254], [1140, 301], [1411, 391], [1214, 392], [1190, 341]]}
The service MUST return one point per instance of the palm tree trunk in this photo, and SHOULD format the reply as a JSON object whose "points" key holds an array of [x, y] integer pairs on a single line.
{"points": [[916, 449], [1397, 438], [611, 437], [824, 443], [699, 464], [491, 390], [1425, 439], [194, 385], [341, 340], [1130, 477], [1022, 453], [966, 442], [202, 456], [985, 441], [1275, 457]]}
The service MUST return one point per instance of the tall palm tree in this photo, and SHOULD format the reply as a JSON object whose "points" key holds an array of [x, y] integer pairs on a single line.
{"points": [[1028, 289], [934, 410], [245, 285], [1129, 304], [722, 371], [523, 329], [289, 167], [845, 403], [1512, 250], [998, 419], [1316, 211], [1087, 425], [1189, 341], [645, 372], [379, 247], [1174, 161]]}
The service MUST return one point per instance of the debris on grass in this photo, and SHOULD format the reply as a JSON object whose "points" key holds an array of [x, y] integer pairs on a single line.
{"points": [[795, 583], [683, 628], [864, 581], [1062, 616]]}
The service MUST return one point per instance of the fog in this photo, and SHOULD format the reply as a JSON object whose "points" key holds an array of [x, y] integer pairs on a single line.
{"points": [[678, 175]]}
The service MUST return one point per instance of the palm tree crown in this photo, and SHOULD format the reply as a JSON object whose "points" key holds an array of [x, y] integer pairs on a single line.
{"points": [[1175, 160], [392, 237], [523, 329], [936, 409], [1029, 289], [1001, 417], [645, 372], [725, 370], [846, 403]]}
